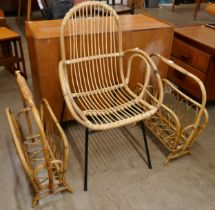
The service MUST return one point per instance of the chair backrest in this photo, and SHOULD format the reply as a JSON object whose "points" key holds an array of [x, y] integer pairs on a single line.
{"points": [[94, 60]]}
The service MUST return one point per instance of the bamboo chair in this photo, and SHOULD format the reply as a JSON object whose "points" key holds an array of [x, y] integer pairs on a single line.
{"points": [[180, 119], [95, 87], [41, 145]]}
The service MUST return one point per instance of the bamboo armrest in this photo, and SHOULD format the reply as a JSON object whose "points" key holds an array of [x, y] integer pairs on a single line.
{"points": [[144, 86]]}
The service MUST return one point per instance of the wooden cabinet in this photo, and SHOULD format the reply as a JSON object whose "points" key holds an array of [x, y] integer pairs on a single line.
{"points": [[193, 48]]}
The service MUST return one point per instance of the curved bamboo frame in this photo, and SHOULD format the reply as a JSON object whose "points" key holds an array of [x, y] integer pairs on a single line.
{"points": [[95, 88], [41, 145], [180, 119]]}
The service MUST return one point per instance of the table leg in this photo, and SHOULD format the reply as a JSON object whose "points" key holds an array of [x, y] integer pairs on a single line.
{"points": [[19, 10], [198, 4], [173, 5], [22, 58]]}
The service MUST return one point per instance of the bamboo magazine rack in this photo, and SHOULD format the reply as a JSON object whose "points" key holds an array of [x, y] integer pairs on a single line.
{"points": [[41, 145], [180, 119]]}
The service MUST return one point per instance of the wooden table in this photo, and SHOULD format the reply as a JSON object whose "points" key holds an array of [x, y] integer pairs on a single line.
{"points": [[11, 52], [194, 49], [44, 50]]}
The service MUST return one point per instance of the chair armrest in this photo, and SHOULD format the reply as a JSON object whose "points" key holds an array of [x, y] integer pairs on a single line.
{"points": [[147, 59]]}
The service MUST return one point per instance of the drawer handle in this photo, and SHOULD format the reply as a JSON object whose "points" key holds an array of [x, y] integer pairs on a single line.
{"points": [[184, 57]]}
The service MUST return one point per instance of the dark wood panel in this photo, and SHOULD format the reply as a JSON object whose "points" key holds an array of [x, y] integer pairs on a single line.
{"points": [[190, 55], [11, 6], [194, 49], [184, 82]]}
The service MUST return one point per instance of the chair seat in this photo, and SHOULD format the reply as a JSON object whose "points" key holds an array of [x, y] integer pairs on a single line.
{"points": [[210, 9], [111, 108]]}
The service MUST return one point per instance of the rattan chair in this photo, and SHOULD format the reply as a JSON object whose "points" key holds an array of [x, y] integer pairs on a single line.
{"points": [[180, 119], [41, 145], [94, 82]]}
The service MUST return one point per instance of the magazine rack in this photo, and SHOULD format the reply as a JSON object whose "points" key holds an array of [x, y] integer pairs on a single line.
{"points": [[41, 145], [180, 119]]}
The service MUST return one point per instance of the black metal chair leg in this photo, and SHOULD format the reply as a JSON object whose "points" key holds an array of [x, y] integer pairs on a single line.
{"points": [[146, 145], [86, 159], [62, 112]]}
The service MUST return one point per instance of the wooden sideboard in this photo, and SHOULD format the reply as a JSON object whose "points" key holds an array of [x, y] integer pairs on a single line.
{"points": [[140, 31], [194, 49]]}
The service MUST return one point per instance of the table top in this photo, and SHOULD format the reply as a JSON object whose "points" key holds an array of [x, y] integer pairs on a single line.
{"points": [[200, 33], [51, 28], [6, 34]]}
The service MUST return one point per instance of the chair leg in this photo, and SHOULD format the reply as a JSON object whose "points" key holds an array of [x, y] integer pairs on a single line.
{"points": [[197, 8], [146, 145], [62, 112], [86, 159], [22, 58], [19, 11], [173, 5]]}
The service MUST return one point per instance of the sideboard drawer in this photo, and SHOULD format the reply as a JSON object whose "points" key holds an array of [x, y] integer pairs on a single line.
{"points": [[190, 55], [183, 81]]}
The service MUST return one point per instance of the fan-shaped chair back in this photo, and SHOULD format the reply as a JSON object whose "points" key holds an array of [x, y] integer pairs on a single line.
{"points": [[93, 35]]}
